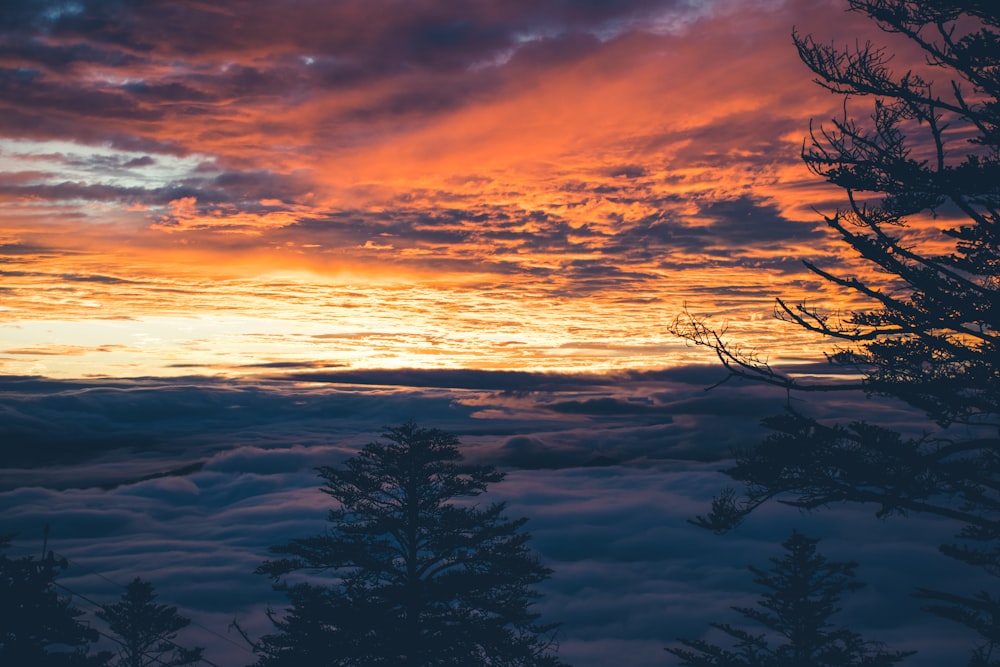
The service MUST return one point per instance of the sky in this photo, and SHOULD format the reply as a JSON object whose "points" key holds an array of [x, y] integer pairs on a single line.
{"points": [[238, 238], [193, 187]]}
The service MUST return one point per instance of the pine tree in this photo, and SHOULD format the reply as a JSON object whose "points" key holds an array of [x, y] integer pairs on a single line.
{"points": [[145, 631], [38, 626], [410, 572], [803, 590]]}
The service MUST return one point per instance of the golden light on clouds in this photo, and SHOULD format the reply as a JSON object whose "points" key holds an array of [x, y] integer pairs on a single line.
{"points": [[524, 187]]}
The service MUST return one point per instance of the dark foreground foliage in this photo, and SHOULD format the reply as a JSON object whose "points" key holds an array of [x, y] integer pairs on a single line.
{"points": [[409, 572], [145, 630], [39, 626], [802, 591]]}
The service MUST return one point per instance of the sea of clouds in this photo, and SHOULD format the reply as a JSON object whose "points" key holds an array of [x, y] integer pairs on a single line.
{"points": [[187, 483]]}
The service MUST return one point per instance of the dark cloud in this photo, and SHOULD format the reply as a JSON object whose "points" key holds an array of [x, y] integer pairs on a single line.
{"points": [[67, 277], [27, 89], [247, 189], [605, 406], [744, 221], [56, 58], [293, 365], [170, 92], [422, 33], [529, 453], [457, 379], [254, 184], [311, 44], [742, 232], [26, 249], [143, 161], [628, 171], [69, 190], [93, 278], [731, 231]]}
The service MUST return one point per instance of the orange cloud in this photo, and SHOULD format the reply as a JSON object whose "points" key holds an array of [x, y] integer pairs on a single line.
{"points": [[630, 158]]}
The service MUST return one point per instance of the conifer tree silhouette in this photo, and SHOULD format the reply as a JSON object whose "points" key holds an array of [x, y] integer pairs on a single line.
{"points": [[409, 572], [145, 631], [920, 168], [38, 626], [802, 591]]}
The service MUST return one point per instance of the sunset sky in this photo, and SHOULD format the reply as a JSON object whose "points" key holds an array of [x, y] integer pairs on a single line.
{"points": [[237, 238], [192, 187]]}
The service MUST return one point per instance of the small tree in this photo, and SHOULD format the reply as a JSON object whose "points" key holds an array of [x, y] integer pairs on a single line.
{"points": [[145, 631], [803, 590], [414, 577], [39, 627]]}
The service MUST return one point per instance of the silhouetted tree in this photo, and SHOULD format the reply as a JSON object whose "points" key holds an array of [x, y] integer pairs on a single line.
{"points": [[930, 332], [145, 631], [803, 589], [39, 627], [413, 574]]}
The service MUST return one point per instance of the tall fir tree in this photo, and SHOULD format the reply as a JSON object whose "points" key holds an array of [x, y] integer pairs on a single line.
{"points": [[409, 571]]}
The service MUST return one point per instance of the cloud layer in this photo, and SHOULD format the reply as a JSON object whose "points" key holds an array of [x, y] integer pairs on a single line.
{"points": [[187, 483]]}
